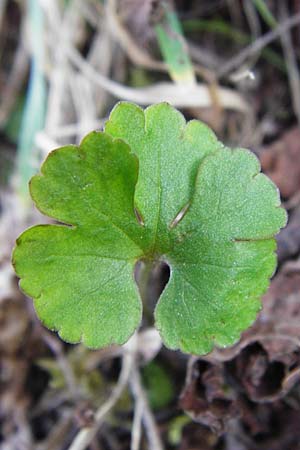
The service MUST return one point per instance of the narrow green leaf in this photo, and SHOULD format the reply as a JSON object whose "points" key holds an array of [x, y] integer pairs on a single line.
{"points": [[173, 46], [265, 13]]}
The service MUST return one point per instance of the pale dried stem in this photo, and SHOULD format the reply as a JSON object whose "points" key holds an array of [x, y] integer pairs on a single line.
{"points": [[136, 432], [139, 394], [86, 435], [62, 31], [179, 96], [258, 45], [83, 99]]}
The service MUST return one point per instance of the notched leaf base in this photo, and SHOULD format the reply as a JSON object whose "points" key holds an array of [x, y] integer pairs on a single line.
{"points": [[150, 187]]}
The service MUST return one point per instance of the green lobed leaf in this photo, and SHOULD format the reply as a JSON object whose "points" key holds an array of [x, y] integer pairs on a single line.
{"points": [[224, 254], [169, 152], [81, 277], [204, 209]]}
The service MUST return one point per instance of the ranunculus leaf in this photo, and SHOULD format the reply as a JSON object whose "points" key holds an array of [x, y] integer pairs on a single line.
{"points": [[154, 188]]}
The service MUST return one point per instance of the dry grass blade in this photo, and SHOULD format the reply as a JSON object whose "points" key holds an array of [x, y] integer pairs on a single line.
{"points": [[178, 96]]}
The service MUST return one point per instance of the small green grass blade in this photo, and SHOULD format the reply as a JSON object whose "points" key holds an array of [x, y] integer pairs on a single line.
{"points": [[173, 47]]}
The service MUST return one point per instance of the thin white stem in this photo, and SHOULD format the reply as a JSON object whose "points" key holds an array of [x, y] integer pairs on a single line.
{"points": [[136, 433], [139, 394], [86, 435]]}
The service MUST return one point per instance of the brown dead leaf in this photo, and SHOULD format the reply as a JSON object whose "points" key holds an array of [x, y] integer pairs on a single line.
{"points": [[281, 162], [262, 368], [207, 397]]}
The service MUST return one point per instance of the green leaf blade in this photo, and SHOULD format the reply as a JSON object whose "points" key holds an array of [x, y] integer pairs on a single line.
{"points": [[169, 153], [234, 200], [81, 277], [87, 184], [152, 188], [77, 291], [223, 254], [211, 301]]}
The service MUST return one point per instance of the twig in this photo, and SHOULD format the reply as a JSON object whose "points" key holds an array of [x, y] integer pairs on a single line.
{"points": [[258, 45], [86, 435], [148, 419]]}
